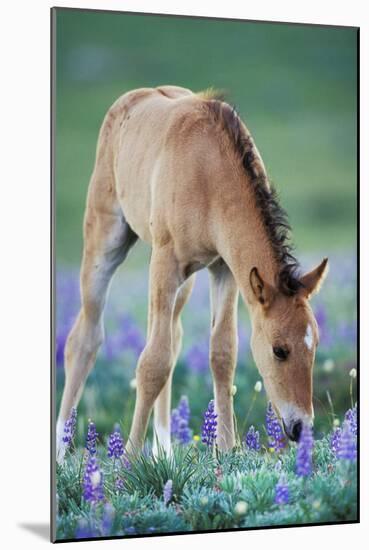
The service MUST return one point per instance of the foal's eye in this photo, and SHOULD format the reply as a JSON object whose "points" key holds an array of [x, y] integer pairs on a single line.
{"points": [[280, 353]]}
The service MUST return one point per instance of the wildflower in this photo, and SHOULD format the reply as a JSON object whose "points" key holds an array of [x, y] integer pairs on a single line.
{"points": [[196, 438], [347, 449], [209, 425], [179, 425], [351, 419], [204, 501], [282, 492], [353, 373], [335, 440], [70, 427], [252, 439], [119, 484], [241, 508], [168, 491], [328, 365], [276, 439], [115, 445], [304, 464], [316, 504], [91, 438], [336, 422], [93, 490], [258, 386], [184, 408]]}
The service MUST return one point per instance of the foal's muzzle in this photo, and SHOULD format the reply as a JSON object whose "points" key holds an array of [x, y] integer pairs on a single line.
{"points": [[293, 430]]}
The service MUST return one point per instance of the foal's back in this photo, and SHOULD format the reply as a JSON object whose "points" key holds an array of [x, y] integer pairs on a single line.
{"points": [[157, 142]]}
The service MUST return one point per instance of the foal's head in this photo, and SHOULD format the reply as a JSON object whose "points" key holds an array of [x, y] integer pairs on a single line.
{"points": [[284, 340]]}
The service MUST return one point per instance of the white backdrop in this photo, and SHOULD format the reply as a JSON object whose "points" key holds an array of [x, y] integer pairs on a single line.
{"points": [[24, 271]]}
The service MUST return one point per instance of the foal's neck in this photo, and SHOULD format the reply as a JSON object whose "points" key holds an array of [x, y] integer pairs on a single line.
{"points": [[243, 241]]}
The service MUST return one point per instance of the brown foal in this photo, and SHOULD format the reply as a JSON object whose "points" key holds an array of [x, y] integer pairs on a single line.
{"points": [[181, 171]]}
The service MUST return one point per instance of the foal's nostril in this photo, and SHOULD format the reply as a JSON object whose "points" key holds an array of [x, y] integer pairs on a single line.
{"points": [[296, 430]]}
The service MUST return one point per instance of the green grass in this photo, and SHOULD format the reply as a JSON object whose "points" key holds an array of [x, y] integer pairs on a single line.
{"points": [[207, 491]]}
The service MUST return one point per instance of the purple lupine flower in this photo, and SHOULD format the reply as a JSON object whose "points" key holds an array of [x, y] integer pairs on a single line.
{"points": [[304, 458], [93, 489], [91, 438], [252, 439], [348, 446], [282, 492], [119, 484], [179, 424], [168, 491], [276, 439], [351, 419], [115, 445], [184, 408], [335, 440], [208, 431], [70, 427]]}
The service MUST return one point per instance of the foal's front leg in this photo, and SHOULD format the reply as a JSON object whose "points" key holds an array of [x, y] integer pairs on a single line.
{"points": [[223, 349], [155, 362]]}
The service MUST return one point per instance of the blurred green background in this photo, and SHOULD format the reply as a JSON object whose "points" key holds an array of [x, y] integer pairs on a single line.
{"points": [[295, 88]]}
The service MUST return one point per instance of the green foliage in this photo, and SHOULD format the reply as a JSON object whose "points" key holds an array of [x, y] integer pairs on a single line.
{"points": [[206, 509], [69, 483], [210, 491], [148, 474]]}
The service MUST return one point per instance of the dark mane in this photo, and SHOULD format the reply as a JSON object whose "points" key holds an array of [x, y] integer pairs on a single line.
{"points": [[274, 217]]}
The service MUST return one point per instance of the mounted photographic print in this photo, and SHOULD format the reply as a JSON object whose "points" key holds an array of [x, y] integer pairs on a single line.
{"points": [[204, 373]]}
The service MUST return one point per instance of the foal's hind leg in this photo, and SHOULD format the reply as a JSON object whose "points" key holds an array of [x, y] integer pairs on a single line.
{"points": [[163, 401], [223, 348], [108, 239]]}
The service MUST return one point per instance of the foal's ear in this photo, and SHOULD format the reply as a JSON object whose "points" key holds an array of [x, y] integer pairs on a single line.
{"points": [[263, 291], [312, 281]]}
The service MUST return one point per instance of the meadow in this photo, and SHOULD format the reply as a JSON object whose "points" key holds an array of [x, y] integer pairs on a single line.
{"points": [[296, 89], [211, 490], [102, 491]]}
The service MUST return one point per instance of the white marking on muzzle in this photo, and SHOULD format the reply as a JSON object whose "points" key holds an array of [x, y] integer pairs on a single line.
{"points": [[308, 339], [291, 413]]}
